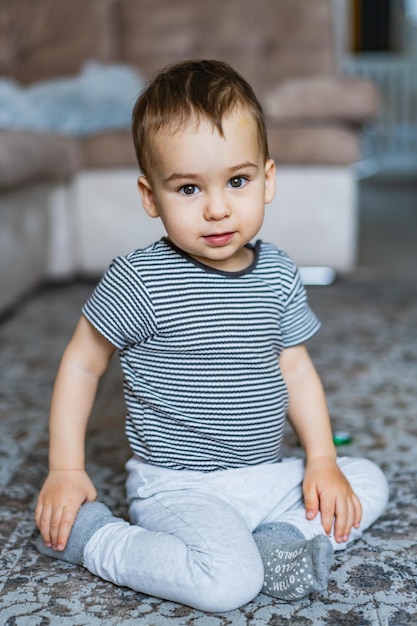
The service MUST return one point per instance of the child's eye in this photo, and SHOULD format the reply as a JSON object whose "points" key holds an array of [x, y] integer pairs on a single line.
{"points": [[189, 190], [238, 181]]}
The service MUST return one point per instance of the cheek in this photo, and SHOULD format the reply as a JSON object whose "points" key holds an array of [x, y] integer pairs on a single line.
{"points": [[255, 206], [254, 217], [258, 218], [178, 222]]}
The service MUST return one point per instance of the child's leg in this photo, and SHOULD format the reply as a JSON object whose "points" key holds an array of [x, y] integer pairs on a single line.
{"points": [[369, 484], [91, 517], [297, 556], [200, 552]]}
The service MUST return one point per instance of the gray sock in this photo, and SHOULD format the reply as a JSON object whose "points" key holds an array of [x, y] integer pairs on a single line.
{"points": [[91, 517], [294, 566]]}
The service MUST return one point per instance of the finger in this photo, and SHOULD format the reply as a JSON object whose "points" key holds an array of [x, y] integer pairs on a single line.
{"points": [[341, 519], [350, 514], [327, 510], [54, 522], [350, 519], [357, 511], [66, 523], [45, 526], [311, 501]]}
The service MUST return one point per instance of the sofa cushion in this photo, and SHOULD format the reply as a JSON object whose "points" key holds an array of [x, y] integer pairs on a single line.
{"points": [[42, 39], [27, 157], [322, 97], [154, 33], [318, 144], [5, 49], [266, 40], [112, 149]]}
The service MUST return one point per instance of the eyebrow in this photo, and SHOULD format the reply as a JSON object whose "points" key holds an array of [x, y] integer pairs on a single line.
{"points": [[188, 175]]}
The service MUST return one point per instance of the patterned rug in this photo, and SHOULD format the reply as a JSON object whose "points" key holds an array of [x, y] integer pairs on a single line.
{"points": [[366, 354]]}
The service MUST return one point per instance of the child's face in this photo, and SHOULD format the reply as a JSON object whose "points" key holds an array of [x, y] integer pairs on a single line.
{"points": [[210, 191]]}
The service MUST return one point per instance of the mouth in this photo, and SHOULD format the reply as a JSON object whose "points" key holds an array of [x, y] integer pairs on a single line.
{"points": [[219, 240]]}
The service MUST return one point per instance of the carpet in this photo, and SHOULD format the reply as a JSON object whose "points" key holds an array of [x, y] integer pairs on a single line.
{"points": [[366, 354]]}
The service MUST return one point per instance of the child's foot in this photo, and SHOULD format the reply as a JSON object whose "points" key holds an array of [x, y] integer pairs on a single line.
{"points": [[294, 566], [90, 517]]}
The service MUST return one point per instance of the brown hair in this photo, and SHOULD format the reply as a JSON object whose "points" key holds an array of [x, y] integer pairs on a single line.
{"points": [[199, 88]]}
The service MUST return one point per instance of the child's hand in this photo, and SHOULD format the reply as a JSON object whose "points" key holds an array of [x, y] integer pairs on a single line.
{"points": [[59, 501], [327, 490]]}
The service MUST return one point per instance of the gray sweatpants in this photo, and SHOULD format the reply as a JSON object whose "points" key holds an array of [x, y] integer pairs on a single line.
{"points": [[190, 540]]}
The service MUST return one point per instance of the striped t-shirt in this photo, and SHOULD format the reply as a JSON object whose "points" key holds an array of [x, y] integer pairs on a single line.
{"points": [[199, 351]]}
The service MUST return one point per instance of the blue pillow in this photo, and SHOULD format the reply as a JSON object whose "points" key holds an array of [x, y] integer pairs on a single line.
{"points": [[100, 98]]}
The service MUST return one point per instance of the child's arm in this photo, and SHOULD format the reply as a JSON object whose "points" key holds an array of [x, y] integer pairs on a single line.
{"points": [[68, 486], [325, 487]]}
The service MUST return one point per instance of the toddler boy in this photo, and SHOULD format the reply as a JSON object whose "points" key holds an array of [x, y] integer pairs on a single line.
{"points": [[211, 331]]}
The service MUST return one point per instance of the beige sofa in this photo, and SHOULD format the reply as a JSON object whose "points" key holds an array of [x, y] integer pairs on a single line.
{"points": [[69, 204]]}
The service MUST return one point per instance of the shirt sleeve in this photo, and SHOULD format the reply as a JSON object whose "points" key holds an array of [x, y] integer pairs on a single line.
{"points": [[120, 307], [299, 322]]}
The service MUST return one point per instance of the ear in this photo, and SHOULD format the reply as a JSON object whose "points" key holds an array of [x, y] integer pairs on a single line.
{"points": [[148, 197], [270, 172]]}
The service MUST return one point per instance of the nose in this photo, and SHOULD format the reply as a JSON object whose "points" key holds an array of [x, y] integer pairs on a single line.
{"points": [[217, 207]]}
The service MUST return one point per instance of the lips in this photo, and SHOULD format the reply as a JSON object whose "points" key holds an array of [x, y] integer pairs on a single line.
{"points": [[219, 240]]}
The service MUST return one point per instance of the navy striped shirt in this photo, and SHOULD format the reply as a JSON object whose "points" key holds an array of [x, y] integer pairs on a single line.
{"points": [[199, 350]]}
